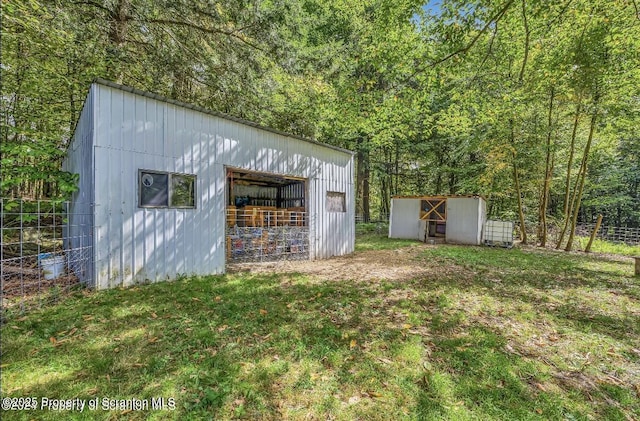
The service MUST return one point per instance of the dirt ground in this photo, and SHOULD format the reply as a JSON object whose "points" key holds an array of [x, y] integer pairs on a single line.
{"points": [[391, 265], [24, 285], [402, 264]]}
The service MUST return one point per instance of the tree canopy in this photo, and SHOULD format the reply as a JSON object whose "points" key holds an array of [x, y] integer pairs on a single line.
{"points": [[533, 104]]}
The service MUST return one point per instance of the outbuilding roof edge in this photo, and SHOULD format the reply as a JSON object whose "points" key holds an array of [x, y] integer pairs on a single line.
{"points": [[161, 98]]}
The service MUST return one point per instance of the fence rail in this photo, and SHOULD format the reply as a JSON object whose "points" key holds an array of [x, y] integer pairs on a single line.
{"points": [[44, 253], [372, 218]]}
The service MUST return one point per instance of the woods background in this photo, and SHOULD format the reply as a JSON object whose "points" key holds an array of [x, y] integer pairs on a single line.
{"points": [[533, 104]]}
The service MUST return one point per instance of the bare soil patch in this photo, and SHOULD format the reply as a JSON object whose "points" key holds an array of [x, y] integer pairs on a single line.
{"points": [[391, 265], [26, 284]]}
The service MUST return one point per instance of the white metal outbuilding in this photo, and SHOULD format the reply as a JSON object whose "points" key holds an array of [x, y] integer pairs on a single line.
{"points": [[455, 219], [155, 176]]}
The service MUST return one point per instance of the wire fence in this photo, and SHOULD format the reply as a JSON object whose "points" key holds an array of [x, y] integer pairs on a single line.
{"points": [[45, 252], [616, 235], [46, 246], [376, 218], [258, 234], [626, 235]]}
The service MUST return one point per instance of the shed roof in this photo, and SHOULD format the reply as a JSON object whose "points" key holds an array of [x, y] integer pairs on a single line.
{"points": [[440, 196], [157, 97]]}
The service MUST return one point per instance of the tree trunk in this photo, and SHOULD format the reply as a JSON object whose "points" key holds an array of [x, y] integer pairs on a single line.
{"points": [[386, 182], [117, 37], [593, 234], [439, 173], [396, 171], [366, 212], [544, 199], [362, 182], [569, 197], [572, 201], [453, 180], [385, 198], [583, 170], [516, 180], [572, 147]]}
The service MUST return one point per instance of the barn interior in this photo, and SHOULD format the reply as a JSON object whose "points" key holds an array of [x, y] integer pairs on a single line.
{"points": [[266, 217]]}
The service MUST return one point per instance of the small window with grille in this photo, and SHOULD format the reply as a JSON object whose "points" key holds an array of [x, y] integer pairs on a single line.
{"points": [[336, 202]]}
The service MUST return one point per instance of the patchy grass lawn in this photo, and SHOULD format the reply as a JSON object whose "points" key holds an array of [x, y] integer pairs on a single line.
{"points": [[444, 332], [608, 247], [373, 236]]}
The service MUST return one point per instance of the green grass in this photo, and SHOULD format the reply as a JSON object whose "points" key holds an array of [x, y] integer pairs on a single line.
{"points": [[485, 334], [373, 236], [607, 247]]}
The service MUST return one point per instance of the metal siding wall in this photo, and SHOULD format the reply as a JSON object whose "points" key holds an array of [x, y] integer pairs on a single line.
{"points": [[104, 135], [216, 255], [134, 132], [263, 154], [324, 237], [79, 160], [245, 154], [317, 212], [462, 220], [351, 197], [332, 232], [299, 159], [404, 220], [138, 244], [282, 146], [482, 218]]}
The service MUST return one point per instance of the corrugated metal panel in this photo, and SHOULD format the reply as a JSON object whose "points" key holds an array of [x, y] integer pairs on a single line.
{"points": [[482, 218], [333, 232], [292, 195], [243, 122], [405, 219], [136, 132], [79, 160], [465, 217]]}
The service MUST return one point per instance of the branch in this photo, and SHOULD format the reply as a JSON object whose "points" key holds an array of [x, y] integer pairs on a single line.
{"points": [[494, 19], [216, 16], [475, 39], [486, 56], [232, 34], [94, 4], [562, 12], [526, 41]]}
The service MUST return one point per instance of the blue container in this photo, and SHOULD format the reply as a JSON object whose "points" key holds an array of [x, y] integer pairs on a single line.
{"points": [[43, 256]]}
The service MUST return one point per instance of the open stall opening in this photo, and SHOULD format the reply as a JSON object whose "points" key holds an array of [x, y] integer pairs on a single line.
{"points": [[266, 217]]}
